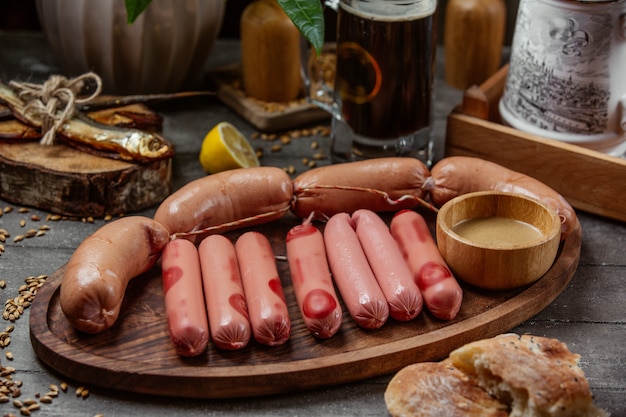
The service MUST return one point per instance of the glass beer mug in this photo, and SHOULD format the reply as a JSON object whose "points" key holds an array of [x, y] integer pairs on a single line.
{"points": [[381, 96]]}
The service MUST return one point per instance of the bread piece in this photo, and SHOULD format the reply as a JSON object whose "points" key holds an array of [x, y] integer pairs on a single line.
{"points": [[538, 376], [437, 389]]}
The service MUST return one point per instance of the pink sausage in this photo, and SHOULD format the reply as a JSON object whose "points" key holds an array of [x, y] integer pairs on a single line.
{"points": [[441, 291], [355, 280], [388, 264], [184, 302], [269, 316], [223, 293], [312, 283]]}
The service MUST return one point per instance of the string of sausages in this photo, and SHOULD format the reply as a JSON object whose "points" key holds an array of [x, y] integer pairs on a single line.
{"points": [[347, 195]]}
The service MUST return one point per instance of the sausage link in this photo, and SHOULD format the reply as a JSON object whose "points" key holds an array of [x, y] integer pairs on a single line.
{"points": [[223, 292], [269, 316], [97, 274], [389, 266], [400, 178], [352, 274], [457, 175], [230, 199], [312, 283], [184, 302], [441, 291]]}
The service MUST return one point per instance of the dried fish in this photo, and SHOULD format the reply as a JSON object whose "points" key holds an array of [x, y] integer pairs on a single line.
{"points": [[129, 144]]}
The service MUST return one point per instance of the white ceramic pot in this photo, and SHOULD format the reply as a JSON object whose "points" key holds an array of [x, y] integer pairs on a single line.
{"points": [[158, 53], [567, 75]]}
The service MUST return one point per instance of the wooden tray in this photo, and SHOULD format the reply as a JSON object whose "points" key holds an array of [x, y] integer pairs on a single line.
{"points": [[136, 354], [590, 181], [265, 116]]}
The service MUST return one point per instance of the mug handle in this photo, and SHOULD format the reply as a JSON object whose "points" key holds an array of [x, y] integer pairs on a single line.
{"points": [[622, 109], [318, 74]]}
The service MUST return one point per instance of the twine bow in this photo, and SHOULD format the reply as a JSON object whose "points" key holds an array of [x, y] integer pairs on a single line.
{"points": [[53, 102]]}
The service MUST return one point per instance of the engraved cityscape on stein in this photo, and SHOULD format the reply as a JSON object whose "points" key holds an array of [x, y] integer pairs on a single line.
{"points": [[559, 72]]}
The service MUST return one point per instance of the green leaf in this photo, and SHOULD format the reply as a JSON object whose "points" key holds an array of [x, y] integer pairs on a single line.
{"points": [[308, 17], [134, 8]]}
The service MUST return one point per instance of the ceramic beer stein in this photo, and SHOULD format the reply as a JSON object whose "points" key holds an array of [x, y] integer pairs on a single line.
{"points": [[567, 73], [381, 98]]}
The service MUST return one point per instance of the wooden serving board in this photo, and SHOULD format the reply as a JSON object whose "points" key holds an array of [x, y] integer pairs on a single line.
{"points": [[136, 354], [265, 116], [64, 180]]}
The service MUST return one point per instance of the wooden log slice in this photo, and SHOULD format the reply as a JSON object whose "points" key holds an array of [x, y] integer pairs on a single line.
{"points": [[66, 181]]}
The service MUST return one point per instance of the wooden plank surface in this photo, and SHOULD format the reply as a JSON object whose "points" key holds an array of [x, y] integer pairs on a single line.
{"points": [[136, 354]]}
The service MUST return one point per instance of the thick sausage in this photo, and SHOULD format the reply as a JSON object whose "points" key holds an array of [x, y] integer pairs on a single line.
{"points": [[352, 274], [390, 269], [441, 291], [184, 302], [258, 195], [98, 272], [312, 283], [223, 292], [399, 178], [457, 175], [269, 315]]}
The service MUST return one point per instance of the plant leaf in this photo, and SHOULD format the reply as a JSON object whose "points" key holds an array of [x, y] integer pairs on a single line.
{"points": [[308, 17], [134, 8]]}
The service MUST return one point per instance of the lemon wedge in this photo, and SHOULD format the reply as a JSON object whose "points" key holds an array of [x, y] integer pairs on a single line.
{"points": [[224, 148]]}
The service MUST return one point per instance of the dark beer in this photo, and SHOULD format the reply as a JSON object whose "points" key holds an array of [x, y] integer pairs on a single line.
{"points": [[385, 72]]}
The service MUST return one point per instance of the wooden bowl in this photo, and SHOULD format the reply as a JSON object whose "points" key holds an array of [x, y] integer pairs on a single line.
{"points": [[497, 240]]}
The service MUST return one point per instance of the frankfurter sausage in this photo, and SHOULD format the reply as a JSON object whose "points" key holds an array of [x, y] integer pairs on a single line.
{"points": [[269, 315], [382, 182], [184, 303], [246, 196], [352, 274], [441, 292], [96, 276], [457, 175], [312, 283], [223, 292], [390, 269]]}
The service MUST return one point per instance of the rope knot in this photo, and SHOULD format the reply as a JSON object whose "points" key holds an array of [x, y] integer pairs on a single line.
{"points": [[53, 102]]}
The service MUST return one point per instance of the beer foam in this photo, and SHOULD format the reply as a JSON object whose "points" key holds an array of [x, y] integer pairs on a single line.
{"points": [[390, 11]]}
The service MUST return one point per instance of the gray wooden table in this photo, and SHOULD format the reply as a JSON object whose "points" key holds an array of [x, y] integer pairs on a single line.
{"points": [[589, 315]]}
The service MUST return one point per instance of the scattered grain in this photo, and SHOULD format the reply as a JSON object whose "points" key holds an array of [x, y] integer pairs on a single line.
{"points": [[46, 399], [18, 238], [315, 144], [276, 148], [22, 222], [64, 386], [9, 355], [30, 233], [108, 218], [24, 411], [3, 284], [8, 209], [35, 217], [23, 210], [318, 156], [312, 164]]}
